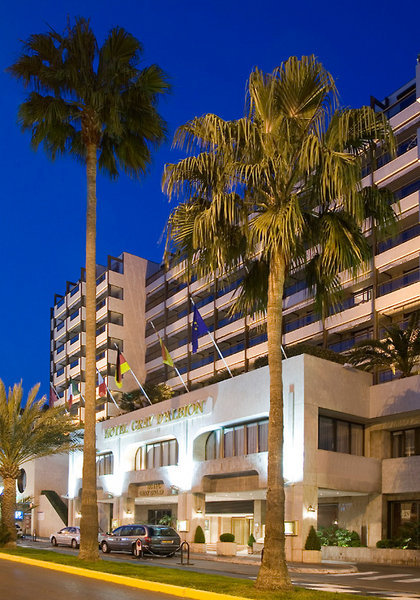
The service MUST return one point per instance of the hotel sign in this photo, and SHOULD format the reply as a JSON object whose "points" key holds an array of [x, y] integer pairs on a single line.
{"points": [[194, 409]]}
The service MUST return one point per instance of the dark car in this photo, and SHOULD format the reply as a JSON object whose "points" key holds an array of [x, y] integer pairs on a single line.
{"points": [[155, 539]]}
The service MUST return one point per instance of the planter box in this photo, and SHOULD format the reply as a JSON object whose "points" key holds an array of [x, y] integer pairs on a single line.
{"points": [[391, 556], [311, 556], [198, 548], [226, 548]]}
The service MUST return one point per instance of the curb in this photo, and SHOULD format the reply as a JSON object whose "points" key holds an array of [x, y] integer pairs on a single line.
{"points": [[322, 569], [151, 586]]}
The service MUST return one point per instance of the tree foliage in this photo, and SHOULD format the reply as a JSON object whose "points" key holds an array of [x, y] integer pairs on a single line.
{"points": [[96, 104], [27, 433], [265, 194], [398, 351]]}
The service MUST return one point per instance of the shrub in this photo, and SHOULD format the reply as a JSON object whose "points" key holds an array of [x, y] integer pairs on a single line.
{"points": [[385, 543], [312, 541], [251, 540], [305, 348], [335, 536], [227, 537], [199, 536]]}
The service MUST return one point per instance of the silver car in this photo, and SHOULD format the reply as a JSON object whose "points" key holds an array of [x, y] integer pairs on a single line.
{"points": [[68, 536], [155, 539]]}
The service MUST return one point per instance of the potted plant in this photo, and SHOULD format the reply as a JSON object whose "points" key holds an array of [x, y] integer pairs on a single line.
{"points": [[199, 544], [251, 542], [226, 545], [312, 551]]}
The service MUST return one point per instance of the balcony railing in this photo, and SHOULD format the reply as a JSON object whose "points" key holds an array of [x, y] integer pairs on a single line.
{"points": [[60, 326], [404, 236], [407, 190], [399, 282]]}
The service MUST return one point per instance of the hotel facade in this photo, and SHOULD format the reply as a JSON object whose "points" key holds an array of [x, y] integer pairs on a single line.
{"points": [[352, 449]]}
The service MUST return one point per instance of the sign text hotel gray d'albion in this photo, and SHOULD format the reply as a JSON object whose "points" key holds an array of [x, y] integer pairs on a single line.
{"points": [[193, 409]]}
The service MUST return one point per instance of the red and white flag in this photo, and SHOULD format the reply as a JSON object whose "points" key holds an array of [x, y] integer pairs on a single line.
{"points": [[102, 386]]}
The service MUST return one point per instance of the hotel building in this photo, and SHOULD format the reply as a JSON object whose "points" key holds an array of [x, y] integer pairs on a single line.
{"points": [[352, 449], [387, 292], [120, 322]]}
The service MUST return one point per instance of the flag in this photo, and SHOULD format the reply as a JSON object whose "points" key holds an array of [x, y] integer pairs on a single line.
{"points": [[71, 393], [102, 386], [166, 357], [53, 396], [121, 368], [199, 328]]}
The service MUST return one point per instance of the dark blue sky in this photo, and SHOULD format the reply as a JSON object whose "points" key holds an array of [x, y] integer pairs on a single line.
{"points": [[208, 48]]}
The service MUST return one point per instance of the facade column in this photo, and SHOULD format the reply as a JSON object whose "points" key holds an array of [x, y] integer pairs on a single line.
{"points": [[191, 509]]}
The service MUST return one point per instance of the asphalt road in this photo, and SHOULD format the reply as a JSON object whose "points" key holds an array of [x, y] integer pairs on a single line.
{"points": [[23, 582], [381, 581]]}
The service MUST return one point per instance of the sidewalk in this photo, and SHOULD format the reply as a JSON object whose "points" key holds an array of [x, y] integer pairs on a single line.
{"points": [[324, 567]]}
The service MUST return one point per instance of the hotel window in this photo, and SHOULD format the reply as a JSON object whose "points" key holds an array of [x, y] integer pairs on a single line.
{"points": [[337, 435], [405, 442], [105, 464], [238, 440], [153, 456]]}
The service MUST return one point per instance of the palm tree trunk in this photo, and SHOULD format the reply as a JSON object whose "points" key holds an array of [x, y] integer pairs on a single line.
{"points": [[89, 509], [273, 574], [8, 508]]}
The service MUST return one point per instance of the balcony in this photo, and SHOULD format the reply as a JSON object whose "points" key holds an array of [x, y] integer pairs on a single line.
{"points": [[404, 114], [339, 471], [60, 308], [400, 475], [396, 250], [396, 292]]}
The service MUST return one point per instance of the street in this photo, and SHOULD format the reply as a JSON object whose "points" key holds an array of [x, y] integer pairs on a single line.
{"points": [[23, 582], [384, 581]]}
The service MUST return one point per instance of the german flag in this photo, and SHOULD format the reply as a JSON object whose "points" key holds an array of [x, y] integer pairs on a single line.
{"points": [[121, 368]]}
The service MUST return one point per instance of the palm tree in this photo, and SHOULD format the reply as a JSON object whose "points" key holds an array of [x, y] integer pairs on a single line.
{"points": [[260, 192], [398, 351], [27, 433], [97, 105]]}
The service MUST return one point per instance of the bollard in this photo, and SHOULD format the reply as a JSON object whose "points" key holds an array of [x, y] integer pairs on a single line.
{"points": [[138, 549], [262, 554], [183, 545], [34, 536]]}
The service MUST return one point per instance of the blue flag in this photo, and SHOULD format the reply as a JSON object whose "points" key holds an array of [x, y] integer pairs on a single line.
{"points": [[198, 328]]}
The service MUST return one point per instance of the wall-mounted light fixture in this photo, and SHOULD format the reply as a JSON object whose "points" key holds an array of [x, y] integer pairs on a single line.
{"points": [[199, 510], [311, 508]]}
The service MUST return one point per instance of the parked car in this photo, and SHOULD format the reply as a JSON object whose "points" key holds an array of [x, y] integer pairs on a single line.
{"points": [[155, 539], [68, 536]]}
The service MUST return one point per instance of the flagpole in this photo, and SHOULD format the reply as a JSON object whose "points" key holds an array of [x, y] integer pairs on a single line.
{"points": [[177, 372], [108, 390], [138, 382], [216, 346]]}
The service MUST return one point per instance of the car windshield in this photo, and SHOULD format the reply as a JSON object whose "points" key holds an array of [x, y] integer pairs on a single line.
{"points": [[162, 531]]}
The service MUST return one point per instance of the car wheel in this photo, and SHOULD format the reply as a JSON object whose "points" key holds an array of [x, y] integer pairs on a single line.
{"points": [[74, 544], [105, 548], [53, 541]]}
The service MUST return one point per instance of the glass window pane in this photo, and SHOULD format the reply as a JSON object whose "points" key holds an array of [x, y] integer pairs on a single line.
{"points": [[239, 441], [149, 457], [263, 436], [397, 444], [173, 452], [252, 431], [228, 442], [165, 454], [410, 442], [326, 435], [357, 439], [157, 458], [343, 437]]}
